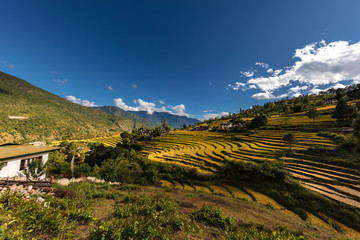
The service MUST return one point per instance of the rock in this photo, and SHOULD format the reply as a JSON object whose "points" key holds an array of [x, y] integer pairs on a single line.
{"points": [[24, 192], [40, 200], [63, 181]]}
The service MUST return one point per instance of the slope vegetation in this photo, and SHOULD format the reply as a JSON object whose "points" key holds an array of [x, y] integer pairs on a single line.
{"points": [[49, 117]]}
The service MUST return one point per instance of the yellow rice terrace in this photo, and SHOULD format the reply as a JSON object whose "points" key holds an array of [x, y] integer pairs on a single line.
{"points": [[209, 153], [206, 151]]}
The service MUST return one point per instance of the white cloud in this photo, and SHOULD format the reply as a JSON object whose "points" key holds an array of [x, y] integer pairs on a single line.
{"points": [[263, 96], [211, 84], [59, 81], [161, 102], [214, 115], [206, 111], [134, 85], [277, 72], [248, 73], [338, 85], [8, 65], [85, 103], [270, 70], [318, 64], [315, 90], [150, 107], [179, 110], [110, 88], [237, 85], [261, 64]]}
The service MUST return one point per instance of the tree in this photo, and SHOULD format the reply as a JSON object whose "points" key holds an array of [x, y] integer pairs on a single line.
{"points": [[258, 121], [289, 139], [165, 125], [312, 113], [156, 132], [343, 112], [2, 164], [356, 133], [36, 168], [184, 127]]}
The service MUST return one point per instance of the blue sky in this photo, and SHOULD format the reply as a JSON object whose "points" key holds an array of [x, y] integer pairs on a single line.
{"points": [[192, 58]]}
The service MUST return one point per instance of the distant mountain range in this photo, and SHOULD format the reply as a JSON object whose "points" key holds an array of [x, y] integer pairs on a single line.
{"points": [[119, 112], [172, 120], [36, 114]]}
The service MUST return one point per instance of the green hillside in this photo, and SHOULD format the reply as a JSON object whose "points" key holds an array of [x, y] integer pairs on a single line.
{"points": [[50, 117]]}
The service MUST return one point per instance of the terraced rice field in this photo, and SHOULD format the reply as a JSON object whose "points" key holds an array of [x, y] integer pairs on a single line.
{"points": [[339, 183], [206, 151], [107, 141]]}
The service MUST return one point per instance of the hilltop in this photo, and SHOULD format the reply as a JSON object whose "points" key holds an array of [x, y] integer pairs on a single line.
{"points": [[41, 115], [291, 113]]}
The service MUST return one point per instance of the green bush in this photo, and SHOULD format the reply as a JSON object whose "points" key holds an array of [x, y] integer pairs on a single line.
{"points": [[254, 233], [214, 217], [27, 216], [144, 217]]}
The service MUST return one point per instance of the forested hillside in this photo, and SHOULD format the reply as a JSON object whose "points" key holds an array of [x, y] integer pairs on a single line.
{"points": [[50, 117]]}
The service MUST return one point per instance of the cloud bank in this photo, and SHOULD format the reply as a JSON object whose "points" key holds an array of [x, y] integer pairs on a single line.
{"points": [[150, 107], [85, 103], [319, 64]]}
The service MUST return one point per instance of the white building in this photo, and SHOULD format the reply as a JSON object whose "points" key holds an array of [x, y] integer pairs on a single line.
{"points": [[225, 125], [17, 157]]}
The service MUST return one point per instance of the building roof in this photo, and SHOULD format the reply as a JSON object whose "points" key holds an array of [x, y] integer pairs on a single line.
{"points": [[8, 151]]}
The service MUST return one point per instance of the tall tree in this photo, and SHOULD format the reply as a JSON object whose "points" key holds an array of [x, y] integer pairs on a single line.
{"points": [[312, 113], [258, 121], [165, 125], [289, 139], [343, 112], [35, 169], [356, 133]]}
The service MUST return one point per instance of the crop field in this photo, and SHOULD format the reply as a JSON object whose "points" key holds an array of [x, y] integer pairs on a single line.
{"points": [[336, 182], [107, 141], [206, 151]]}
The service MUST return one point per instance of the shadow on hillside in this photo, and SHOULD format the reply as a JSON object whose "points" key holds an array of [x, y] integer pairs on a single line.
{"points": [[3, 91]]}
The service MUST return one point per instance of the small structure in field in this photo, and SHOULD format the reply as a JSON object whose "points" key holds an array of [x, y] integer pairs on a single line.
{"points": [[17, 157], [331, 101], [238, 125], [146, 132], [200, 128], [37, 143], [18, 117], [225, 125]]}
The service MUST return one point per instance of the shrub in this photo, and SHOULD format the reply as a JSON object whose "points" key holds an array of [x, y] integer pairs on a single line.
{"points": [[214, 217], [28, 216], [144, 217]]}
